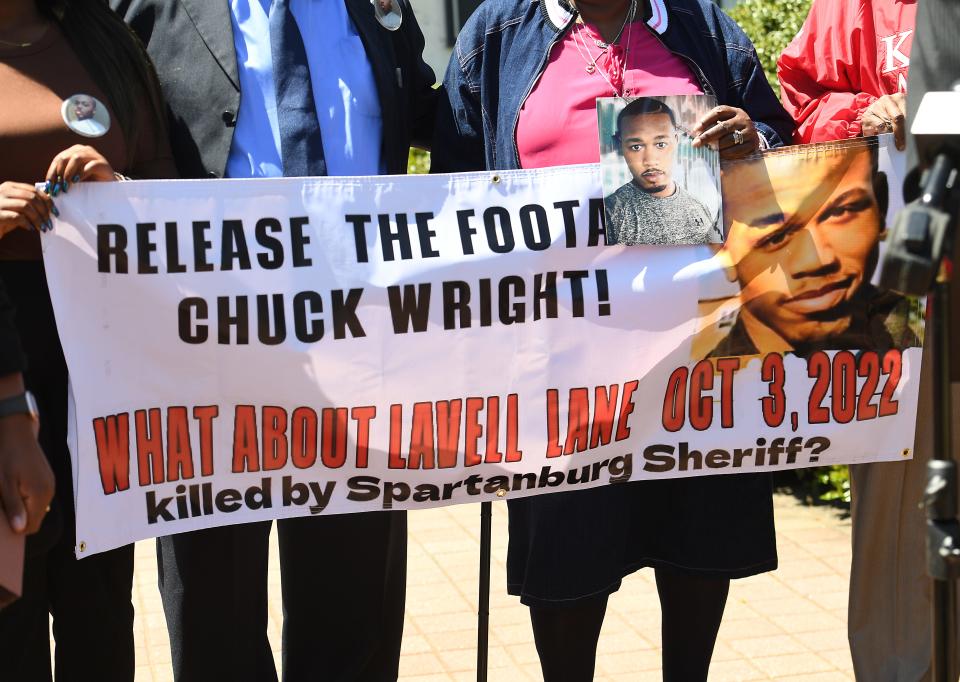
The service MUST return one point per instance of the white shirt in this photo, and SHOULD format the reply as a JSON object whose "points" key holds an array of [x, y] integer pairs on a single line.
{"points": [[88, 127], [344, 90]]}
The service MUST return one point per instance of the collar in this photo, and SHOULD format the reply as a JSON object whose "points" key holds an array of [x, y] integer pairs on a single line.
{"points": [[560, 13]]}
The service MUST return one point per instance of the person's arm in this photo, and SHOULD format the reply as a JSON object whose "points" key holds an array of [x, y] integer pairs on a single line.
{"points": [[26, 481], [760, 102], [819, 74], [458, 141], [750, 106], [424, 95]]}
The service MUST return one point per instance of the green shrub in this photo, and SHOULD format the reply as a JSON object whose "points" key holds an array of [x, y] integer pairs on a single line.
{"points": [[418, 161], [771, 25], [824, 484]]}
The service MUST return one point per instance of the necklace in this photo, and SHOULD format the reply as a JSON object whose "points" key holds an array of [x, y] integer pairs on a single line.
{"points": [[626, 19], [591, 61], [13, 44]]}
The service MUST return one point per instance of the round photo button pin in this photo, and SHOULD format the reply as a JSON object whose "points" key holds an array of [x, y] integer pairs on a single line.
{"points": [[388, 13], [85, 115]]}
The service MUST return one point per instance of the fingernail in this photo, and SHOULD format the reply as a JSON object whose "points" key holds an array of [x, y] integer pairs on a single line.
{"points": [[46, 226], [46, 187], [64, 185], [18, 523], [56, 189], [55, 210]]}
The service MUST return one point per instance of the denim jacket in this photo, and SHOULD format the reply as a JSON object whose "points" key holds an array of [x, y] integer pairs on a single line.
{"points": [[504, 47]]}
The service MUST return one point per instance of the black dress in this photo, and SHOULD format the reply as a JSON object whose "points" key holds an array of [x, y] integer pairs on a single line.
{"points": [[580, 544]]}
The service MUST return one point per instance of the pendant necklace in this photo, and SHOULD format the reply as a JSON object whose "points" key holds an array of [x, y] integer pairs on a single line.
{"points": [[591, 62]]}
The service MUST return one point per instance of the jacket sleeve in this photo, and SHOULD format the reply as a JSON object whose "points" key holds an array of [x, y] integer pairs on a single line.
{"points": [[424, 98], [819, 73], [151, 155], [766, 112], [458, 141], [747, 86]]}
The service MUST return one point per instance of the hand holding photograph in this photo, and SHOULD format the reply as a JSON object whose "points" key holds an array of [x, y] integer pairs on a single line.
{"points": [[658, 188]]}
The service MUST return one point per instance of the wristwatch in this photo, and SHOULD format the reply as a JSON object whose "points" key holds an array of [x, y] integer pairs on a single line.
{"points": [[20, 404]]}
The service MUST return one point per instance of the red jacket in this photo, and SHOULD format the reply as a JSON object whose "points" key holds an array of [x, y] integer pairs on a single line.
{"points": [[847, 54]]}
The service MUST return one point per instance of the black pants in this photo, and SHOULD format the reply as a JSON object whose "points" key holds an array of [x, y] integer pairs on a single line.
{"points": [[89, 599], [343, 580]]}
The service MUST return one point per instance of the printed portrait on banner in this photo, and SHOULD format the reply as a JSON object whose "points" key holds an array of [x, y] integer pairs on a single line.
{"points": [[805, 228], [658, 188]]}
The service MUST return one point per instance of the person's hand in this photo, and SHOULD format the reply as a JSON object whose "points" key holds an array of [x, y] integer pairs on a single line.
{"points": [[76, 164], [24, 207], [728, 129], [26, 481], [886, 115]]}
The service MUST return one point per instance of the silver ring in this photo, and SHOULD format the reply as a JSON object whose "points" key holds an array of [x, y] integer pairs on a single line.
{"points": [[737, 137]]}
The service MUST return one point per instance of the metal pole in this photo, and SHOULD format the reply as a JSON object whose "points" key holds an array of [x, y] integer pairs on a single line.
{"points": [[483, 607], [944, 585]]}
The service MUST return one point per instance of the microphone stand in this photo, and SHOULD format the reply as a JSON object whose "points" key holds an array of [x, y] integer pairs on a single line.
{"points": [[919, 261]]}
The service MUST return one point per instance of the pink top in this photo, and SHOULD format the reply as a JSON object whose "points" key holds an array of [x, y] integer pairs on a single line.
{"points": [[558, 121]]}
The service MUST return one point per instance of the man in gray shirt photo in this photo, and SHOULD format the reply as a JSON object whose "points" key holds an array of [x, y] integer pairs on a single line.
{"points": [[652, 208]]}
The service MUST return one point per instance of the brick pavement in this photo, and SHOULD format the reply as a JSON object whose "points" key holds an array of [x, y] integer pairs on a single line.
{"points": [[786, 625]]}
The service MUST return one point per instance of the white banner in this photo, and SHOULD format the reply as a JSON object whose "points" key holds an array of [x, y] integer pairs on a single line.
{"points": [[248, 350]]}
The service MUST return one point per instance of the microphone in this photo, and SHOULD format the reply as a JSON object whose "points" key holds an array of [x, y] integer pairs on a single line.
{"points": [[922, 232]]}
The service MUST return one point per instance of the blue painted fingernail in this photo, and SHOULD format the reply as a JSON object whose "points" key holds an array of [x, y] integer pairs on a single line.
{"points": [[56, 190], [46, 187], [55, 211], [64, 185], [76, 179], [45, 226]]}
